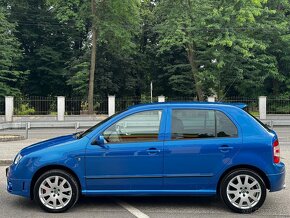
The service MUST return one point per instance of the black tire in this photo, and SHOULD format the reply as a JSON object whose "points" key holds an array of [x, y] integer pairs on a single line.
{"points": [[251, 200], [71, 185]]}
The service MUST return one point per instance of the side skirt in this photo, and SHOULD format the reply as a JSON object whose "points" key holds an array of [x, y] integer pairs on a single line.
{"points": [[149, 192]]}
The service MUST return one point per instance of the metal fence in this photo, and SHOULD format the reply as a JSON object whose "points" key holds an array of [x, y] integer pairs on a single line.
{"points": [[101, 105], [278, 106], [2, 106], [74, 106], [252, 103], [35, 105], [180, 99], [79, 106], [123, 103]]}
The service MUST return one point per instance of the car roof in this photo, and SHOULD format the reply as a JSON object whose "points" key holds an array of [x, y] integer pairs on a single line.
{"points": [[191, 103]]}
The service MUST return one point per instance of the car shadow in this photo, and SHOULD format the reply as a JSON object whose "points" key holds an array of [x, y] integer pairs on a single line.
{"points": [[104, 203], [184, 201]]}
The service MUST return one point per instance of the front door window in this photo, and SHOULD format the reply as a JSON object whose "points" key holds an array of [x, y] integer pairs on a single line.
{"points": [[139, 127]]}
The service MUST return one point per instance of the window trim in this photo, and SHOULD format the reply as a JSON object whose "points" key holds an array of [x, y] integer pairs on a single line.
{"points": [[131, 142], [209, 138]]}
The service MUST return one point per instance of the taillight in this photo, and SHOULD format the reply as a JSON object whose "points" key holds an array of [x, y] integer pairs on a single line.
{"points": [[276, 151]]}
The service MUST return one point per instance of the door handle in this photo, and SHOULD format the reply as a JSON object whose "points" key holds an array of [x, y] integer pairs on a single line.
{"points": [[153, 151], [225, 148]]}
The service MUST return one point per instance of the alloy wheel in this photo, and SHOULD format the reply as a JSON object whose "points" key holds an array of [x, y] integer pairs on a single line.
{"points": [[244, 191], [55, 192]]}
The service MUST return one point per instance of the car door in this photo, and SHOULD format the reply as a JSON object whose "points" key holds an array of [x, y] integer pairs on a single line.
{"points": [[132, 157], [199, 143]]}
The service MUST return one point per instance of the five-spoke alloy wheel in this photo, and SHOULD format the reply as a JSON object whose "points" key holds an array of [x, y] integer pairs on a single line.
{"points": [[243, 191], [56, 191]]}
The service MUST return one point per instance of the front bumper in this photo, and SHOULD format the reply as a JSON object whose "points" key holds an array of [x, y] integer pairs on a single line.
{"points": [[17, 186]]}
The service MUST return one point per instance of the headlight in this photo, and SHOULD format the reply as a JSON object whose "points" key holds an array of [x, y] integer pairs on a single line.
{"points": [[17, 158]]}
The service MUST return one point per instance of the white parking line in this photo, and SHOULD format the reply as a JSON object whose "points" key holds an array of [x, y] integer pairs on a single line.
{"points": [[137, 213]]}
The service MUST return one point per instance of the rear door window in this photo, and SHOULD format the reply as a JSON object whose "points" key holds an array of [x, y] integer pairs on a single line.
{"points": [[192, 124], [196, 124]]}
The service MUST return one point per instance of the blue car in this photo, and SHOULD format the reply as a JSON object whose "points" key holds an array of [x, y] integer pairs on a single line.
{"points": [[196, 149]]}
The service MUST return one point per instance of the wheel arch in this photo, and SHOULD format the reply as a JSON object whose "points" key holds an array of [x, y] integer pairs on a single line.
{"points": [[44, 169], [249, 167]]}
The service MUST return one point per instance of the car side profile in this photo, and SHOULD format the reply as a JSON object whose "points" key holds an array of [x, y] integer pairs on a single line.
{"points": [[156, 149]]}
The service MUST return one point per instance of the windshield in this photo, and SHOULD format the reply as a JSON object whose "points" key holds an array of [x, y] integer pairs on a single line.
{"points": [[81, 135]]}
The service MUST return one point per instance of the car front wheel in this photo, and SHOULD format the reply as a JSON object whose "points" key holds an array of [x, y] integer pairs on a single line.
{"points": [[56, 191], [243, 191]]}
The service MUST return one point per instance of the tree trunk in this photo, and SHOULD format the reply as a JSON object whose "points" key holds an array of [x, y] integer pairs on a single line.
{"points": [[192, 61], [93, 60]]}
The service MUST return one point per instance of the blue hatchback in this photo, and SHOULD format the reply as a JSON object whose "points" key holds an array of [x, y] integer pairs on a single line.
{"points": [[156, 149]]}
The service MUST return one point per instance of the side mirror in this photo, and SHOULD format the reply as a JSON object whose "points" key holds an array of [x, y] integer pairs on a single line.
{"points": [[100, 141]]}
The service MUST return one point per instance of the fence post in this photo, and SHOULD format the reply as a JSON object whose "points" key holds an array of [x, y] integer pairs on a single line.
{"points": [[210, 99], [9, 108], [111, 105], [263, 107], [27, 126], [161, 98], [60, 108], [77, 126]]}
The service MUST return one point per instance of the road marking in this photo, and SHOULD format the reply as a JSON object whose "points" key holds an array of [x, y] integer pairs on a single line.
{"points": [[137, 213]]}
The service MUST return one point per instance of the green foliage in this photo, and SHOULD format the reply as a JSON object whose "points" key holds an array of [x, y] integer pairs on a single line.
{"points": [[45, 47], [231, 42], [186, 47], [244, 62], [80, 77], [117, 23], [10, 55], [25, 109]]}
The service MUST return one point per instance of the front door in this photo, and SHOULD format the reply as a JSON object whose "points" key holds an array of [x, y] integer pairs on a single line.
{"points": [[132, 158], [198, 146]]}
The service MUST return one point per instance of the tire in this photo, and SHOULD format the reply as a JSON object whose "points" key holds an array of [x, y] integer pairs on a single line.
{"points": [[56, 191], [243, 191]]}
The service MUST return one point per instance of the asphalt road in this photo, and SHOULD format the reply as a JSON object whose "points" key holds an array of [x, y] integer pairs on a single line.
{"points": [[276, 205]]}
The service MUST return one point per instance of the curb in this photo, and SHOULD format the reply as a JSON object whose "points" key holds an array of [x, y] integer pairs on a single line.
{"points": [[9, 138], [5, 162]]}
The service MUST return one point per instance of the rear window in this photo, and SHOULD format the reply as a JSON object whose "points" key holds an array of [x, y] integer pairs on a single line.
{"points": [[260, 122]]}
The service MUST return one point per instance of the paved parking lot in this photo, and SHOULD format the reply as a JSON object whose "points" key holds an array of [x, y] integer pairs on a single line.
{"points": [[276, 205]]}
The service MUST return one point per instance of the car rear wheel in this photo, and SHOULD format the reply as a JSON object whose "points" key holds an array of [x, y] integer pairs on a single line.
{"points": [[56, 191], [243, 191]]}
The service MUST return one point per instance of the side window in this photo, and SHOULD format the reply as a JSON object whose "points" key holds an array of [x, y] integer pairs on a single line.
{"points": [[139, 127], [192, 124], [225, 127]]}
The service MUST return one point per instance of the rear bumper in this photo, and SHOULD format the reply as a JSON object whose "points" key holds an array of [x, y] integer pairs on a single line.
{"points": [[277, 181]]}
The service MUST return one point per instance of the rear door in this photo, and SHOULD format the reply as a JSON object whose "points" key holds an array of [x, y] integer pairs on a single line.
{"points": [[198, 144]]}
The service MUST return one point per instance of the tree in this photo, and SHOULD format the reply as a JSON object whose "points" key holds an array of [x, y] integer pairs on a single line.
{"points": [[227, 43], [188, 48], [242, 34], [113, 23], [179, 25], [45, 45], [10, 55], [278, 38]]}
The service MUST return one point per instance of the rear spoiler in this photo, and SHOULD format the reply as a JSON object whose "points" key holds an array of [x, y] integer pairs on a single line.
{"points": [[239, 105]]}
